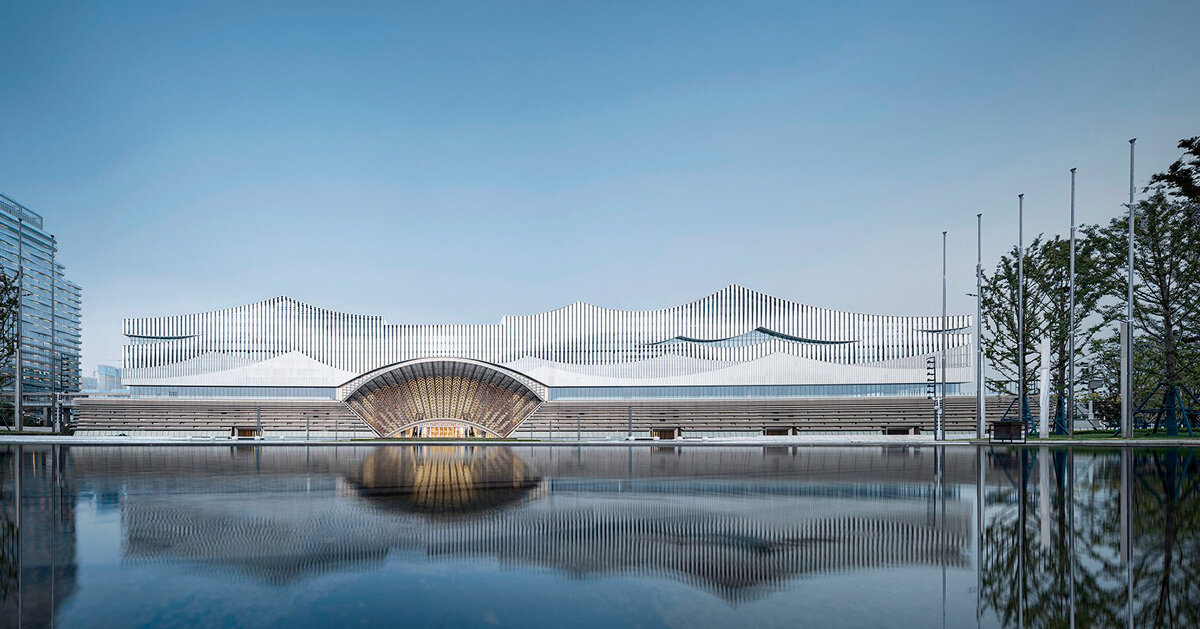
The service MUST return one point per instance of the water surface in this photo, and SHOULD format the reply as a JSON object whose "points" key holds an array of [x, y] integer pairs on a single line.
{"points": [[529, 536]]}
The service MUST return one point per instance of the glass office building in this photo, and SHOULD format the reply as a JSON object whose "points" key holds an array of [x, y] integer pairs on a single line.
{"points": [[50, 307], [734, 344]]}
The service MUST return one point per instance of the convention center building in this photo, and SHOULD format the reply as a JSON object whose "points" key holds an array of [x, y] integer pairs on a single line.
{"points": [[736, 361]]}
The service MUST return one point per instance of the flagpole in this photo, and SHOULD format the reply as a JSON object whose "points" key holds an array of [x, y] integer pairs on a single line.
{"points": [[1127, 377], [1071, 347], [941, 431], [980, 408], [1021, 305]]}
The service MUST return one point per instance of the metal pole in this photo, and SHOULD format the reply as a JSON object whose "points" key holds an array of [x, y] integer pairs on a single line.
{"points": [[1127, 348], [980, 402], [941, 431], [55, 372], [1125, 331], [629, 414], [1021, 304], [258, 422], [307, 422], [19, 363], [1071, 342], [578, 426]]}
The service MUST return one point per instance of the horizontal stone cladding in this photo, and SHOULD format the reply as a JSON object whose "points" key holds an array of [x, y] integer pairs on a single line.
{"points": [[100, 414], [828, 414]]}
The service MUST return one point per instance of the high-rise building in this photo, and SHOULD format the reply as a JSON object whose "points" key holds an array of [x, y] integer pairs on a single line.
{"points": [[50, 307], [108, 378]]}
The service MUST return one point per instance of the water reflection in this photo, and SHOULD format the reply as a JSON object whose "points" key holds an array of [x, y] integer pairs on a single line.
{"points": [[845, 535], [444, 480], [1062, 539], [37, 540]]}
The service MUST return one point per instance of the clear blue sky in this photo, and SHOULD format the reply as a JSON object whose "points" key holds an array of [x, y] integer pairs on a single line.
{"points": [[447, 162]]}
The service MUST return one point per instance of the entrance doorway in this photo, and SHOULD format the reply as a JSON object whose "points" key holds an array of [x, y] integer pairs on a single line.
{"points": [[665, 433]]}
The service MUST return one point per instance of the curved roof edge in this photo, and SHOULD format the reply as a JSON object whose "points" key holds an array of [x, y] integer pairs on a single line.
{"points": [[348, 388]]}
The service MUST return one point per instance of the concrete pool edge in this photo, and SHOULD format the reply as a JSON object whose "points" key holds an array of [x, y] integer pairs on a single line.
{"points": [[797, 441]]}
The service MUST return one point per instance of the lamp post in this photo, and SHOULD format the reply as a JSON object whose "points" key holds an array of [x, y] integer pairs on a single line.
{"points": [[1071, 342], [1021, 304]]}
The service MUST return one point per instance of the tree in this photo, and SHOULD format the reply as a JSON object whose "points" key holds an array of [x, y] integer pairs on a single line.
{"points": [[1047, 311], [1166, 309], [8, 332], [1182, 179]]}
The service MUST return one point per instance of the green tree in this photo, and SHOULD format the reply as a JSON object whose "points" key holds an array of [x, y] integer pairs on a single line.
{"points": [[1182, 179], [1166, 290], [1047, 311], [8, 337]]}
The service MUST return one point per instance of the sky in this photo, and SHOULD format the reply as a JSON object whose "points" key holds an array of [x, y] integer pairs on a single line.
{"points": [[446, 162]]}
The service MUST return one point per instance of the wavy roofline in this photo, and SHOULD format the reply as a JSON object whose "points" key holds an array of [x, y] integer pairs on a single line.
{"points": [[727, 289]]}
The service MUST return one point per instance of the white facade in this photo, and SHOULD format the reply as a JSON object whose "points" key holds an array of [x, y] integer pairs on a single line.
{"points": [[734, 343]]}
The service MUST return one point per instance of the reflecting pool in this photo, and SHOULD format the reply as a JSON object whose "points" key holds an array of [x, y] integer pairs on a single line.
{"points": [[528, 536]]}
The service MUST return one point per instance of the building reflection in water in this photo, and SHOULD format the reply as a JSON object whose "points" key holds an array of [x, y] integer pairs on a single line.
{"points": [[445, 480], [37, 534], [1066, 536], [735, 537]]}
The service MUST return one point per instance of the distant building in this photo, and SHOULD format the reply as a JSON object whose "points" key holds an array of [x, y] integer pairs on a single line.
{"points": [[108, 378], [50, 344]]}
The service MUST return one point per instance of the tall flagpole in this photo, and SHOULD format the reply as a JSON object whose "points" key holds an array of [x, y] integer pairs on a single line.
{"points": [[1071, 346], [980, 409], [1127, 379], [1021, 304], [941, 432]]}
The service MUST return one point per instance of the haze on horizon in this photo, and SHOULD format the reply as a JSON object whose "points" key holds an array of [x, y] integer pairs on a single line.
{"points": [[457, 162]]}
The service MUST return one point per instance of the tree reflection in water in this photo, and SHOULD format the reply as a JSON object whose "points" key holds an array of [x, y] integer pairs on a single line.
{"points": [[1026, 562]]}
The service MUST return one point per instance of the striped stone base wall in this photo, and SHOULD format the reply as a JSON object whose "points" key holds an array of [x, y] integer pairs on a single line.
{"points": [[139, 417], [863, 415], [100, 416]]}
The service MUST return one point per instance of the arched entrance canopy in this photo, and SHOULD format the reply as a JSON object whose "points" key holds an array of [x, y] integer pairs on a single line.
{"points": [[396, 399]]}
